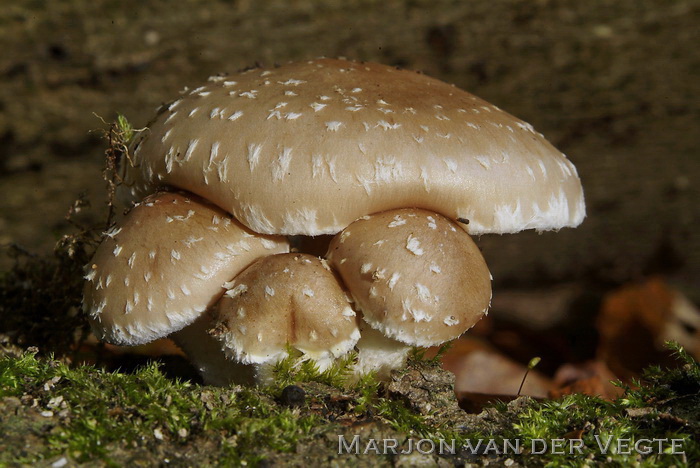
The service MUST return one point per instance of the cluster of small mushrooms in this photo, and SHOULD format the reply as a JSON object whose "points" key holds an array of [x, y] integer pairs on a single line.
{"points": [[238, 183]]}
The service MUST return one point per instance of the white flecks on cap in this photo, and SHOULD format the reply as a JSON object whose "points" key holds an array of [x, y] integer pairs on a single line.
{"points": [[423, 293], [418, 315], [451, 164], [280, 166], [451, 321], [166, 135], [323, 164], [217, 113], [393, 136], [239, 289], [394, 279], [292, 82], [388, 126], [413, 245], [253, 155], [300, 216], [170, 117], [397, 221], [90, 275], [333, 126], [235, 116]]}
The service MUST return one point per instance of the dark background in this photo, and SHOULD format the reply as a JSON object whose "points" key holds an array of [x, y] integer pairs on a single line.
{"points": [[614, 85]]}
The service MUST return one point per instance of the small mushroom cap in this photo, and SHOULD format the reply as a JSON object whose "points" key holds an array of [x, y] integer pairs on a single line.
{"points": [[347, 139], [167, 261], [286, 300], [415, 275]]}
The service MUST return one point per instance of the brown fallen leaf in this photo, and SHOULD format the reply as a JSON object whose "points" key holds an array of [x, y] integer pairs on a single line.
{"points": [[632, 326], [479, 368], [590, 378]]}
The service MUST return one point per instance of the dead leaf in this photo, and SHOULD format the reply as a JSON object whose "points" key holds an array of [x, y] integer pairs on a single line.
{"points": [[479, 368]]}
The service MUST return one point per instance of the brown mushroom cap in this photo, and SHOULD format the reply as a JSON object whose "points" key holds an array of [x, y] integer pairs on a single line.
{"points": [[164, 265], [415, 275], [346, 139], [286, 300]]}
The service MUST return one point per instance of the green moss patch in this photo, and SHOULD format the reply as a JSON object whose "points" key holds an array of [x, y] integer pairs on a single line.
{"points": [[50, 411]]}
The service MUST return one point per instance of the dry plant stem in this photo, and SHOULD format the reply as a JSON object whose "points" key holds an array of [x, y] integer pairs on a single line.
{"points": [[118, 135]]}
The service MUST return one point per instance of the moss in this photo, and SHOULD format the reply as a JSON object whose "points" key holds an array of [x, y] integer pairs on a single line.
{"points": [[295, 369], [97, 417], [113, 418], [651, 410], [99, 413]]}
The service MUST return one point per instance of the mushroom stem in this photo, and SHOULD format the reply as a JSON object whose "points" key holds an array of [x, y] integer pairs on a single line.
{"points": [[204, 352], [378, 353]]}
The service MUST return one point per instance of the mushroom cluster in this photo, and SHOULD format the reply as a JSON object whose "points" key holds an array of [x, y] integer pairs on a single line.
{"points": [[388, 171]]}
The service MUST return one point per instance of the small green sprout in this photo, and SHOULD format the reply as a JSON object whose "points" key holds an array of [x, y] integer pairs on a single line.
{"points": [[530, 365], [124, 129]]}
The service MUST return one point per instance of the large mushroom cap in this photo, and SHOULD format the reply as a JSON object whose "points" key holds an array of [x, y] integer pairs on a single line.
{"points": [[340, 140], [166, 262]]}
